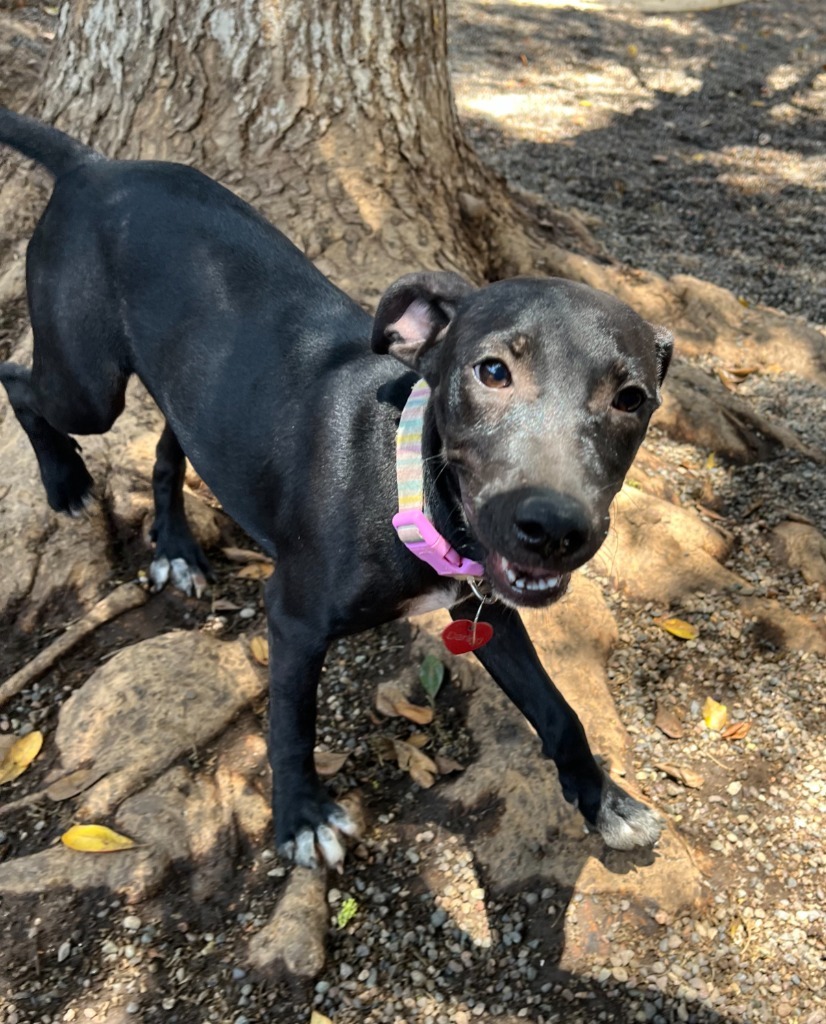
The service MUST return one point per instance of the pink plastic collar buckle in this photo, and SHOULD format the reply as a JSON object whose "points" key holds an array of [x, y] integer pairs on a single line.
{"points": [[422, 538]]}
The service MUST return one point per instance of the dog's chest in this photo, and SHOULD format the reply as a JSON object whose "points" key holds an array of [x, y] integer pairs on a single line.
{"points": [[443, 596]]}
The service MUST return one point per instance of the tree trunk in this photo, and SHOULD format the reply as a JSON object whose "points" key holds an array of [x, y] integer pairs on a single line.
{"points": [[337, 120]]}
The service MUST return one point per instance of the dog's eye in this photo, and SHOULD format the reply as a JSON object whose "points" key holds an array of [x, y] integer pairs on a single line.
{"points": [[629, 399], [493, 373]]}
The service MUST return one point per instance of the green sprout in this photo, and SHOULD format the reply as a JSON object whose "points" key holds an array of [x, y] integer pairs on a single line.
{"points": [[346, 912]]}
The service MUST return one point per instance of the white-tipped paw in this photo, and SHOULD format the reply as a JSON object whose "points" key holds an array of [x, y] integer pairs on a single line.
{"points": [[82, 506], [180, 573], [625, 823], [322, 845]]}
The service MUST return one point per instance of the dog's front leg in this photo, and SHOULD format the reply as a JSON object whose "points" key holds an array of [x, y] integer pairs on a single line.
{"points": [[308, 823], [512, 661]]}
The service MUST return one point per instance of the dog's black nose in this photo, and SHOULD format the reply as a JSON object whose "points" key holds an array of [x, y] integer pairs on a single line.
{"points": [[552, 525]]}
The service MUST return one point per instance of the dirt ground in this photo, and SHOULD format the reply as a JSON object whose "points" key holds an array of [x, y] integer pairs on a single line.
{"points": [[688, 144]]}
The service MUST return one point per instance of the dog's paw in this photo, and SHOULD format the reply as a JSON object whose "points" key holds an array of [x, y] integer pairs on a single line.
{"points": [[321, 844], [68, 485], [625, 823], [83, 506], [177, 571]]}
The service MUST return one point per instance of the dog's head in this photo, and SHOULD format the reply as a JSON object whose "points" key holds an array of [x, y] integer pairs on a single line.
{"points": [[542, 393]]}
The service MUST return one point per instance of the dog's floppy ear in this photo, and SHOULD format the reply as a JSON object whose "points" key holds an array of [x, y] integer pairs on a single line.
{"points": [[664, 340], [414, 313]]}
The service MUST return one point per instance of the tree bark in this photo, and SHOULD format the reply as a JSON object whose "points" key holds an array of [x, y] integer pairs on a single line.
{"points": [[337, 120]]}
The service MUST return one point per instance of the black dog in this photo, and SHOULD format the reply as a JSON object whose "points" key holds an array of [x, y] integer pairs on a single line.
{"points": [[541, 394]]}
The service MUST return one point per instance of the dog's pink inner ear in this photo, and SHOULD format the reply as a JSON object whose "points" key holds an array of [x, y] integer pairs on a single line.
{"points": [[414, 326]]}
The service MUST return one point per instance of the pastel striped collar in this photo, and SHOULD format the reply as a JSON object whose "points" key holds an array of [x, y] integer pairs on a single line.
{"points": [[414, 528]]}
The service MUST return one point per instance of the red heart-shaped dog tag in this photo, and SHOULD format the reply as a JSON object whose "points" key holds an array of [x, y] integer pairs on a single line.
{"points": [[463, 636]]}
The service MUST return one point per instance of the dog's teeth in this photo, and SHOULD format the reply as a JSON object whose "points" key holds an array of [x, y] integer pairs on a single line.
{"points": [[511, 576]]}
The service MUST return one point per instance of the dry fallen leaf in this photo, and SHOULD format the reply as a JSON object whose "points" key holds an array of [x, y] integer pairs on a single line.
{"points": [[415, 713], [392, 702], [256, 571], [259, 650], [736, 731], [319, 1018], [20, 755], [220, 604], [666, 721], [687, 776], [679, 628], [420, 767], [383, 748], [328, 762], [728, 381], [245, 556], [714, 714], [95, 839], [447, 765], [73, 783], [418, 739]]}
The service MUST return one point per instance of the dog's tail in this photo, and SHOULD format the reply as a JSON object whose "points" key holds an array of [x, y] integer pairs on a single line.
{"points": [[57, 152]]}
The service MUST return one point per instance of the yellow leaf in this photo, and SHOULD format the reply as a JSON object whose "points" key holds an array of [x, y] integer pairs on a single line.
{"points": [[95, 839], [632, 50], [319, 1018], [20, 755], [711, 461], [679, 628], [714, 714], [256, 571], [259, 650]]}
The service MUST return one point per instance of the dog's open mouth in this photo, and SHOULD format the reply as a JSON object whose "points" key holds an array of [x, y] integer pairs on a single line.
{"points": [[528, 586]]}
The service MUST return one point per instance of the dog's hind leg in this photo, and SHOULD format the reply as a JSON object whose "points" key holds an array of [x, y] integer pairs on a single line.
{"points": [[65, 477], [178, 556]]}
